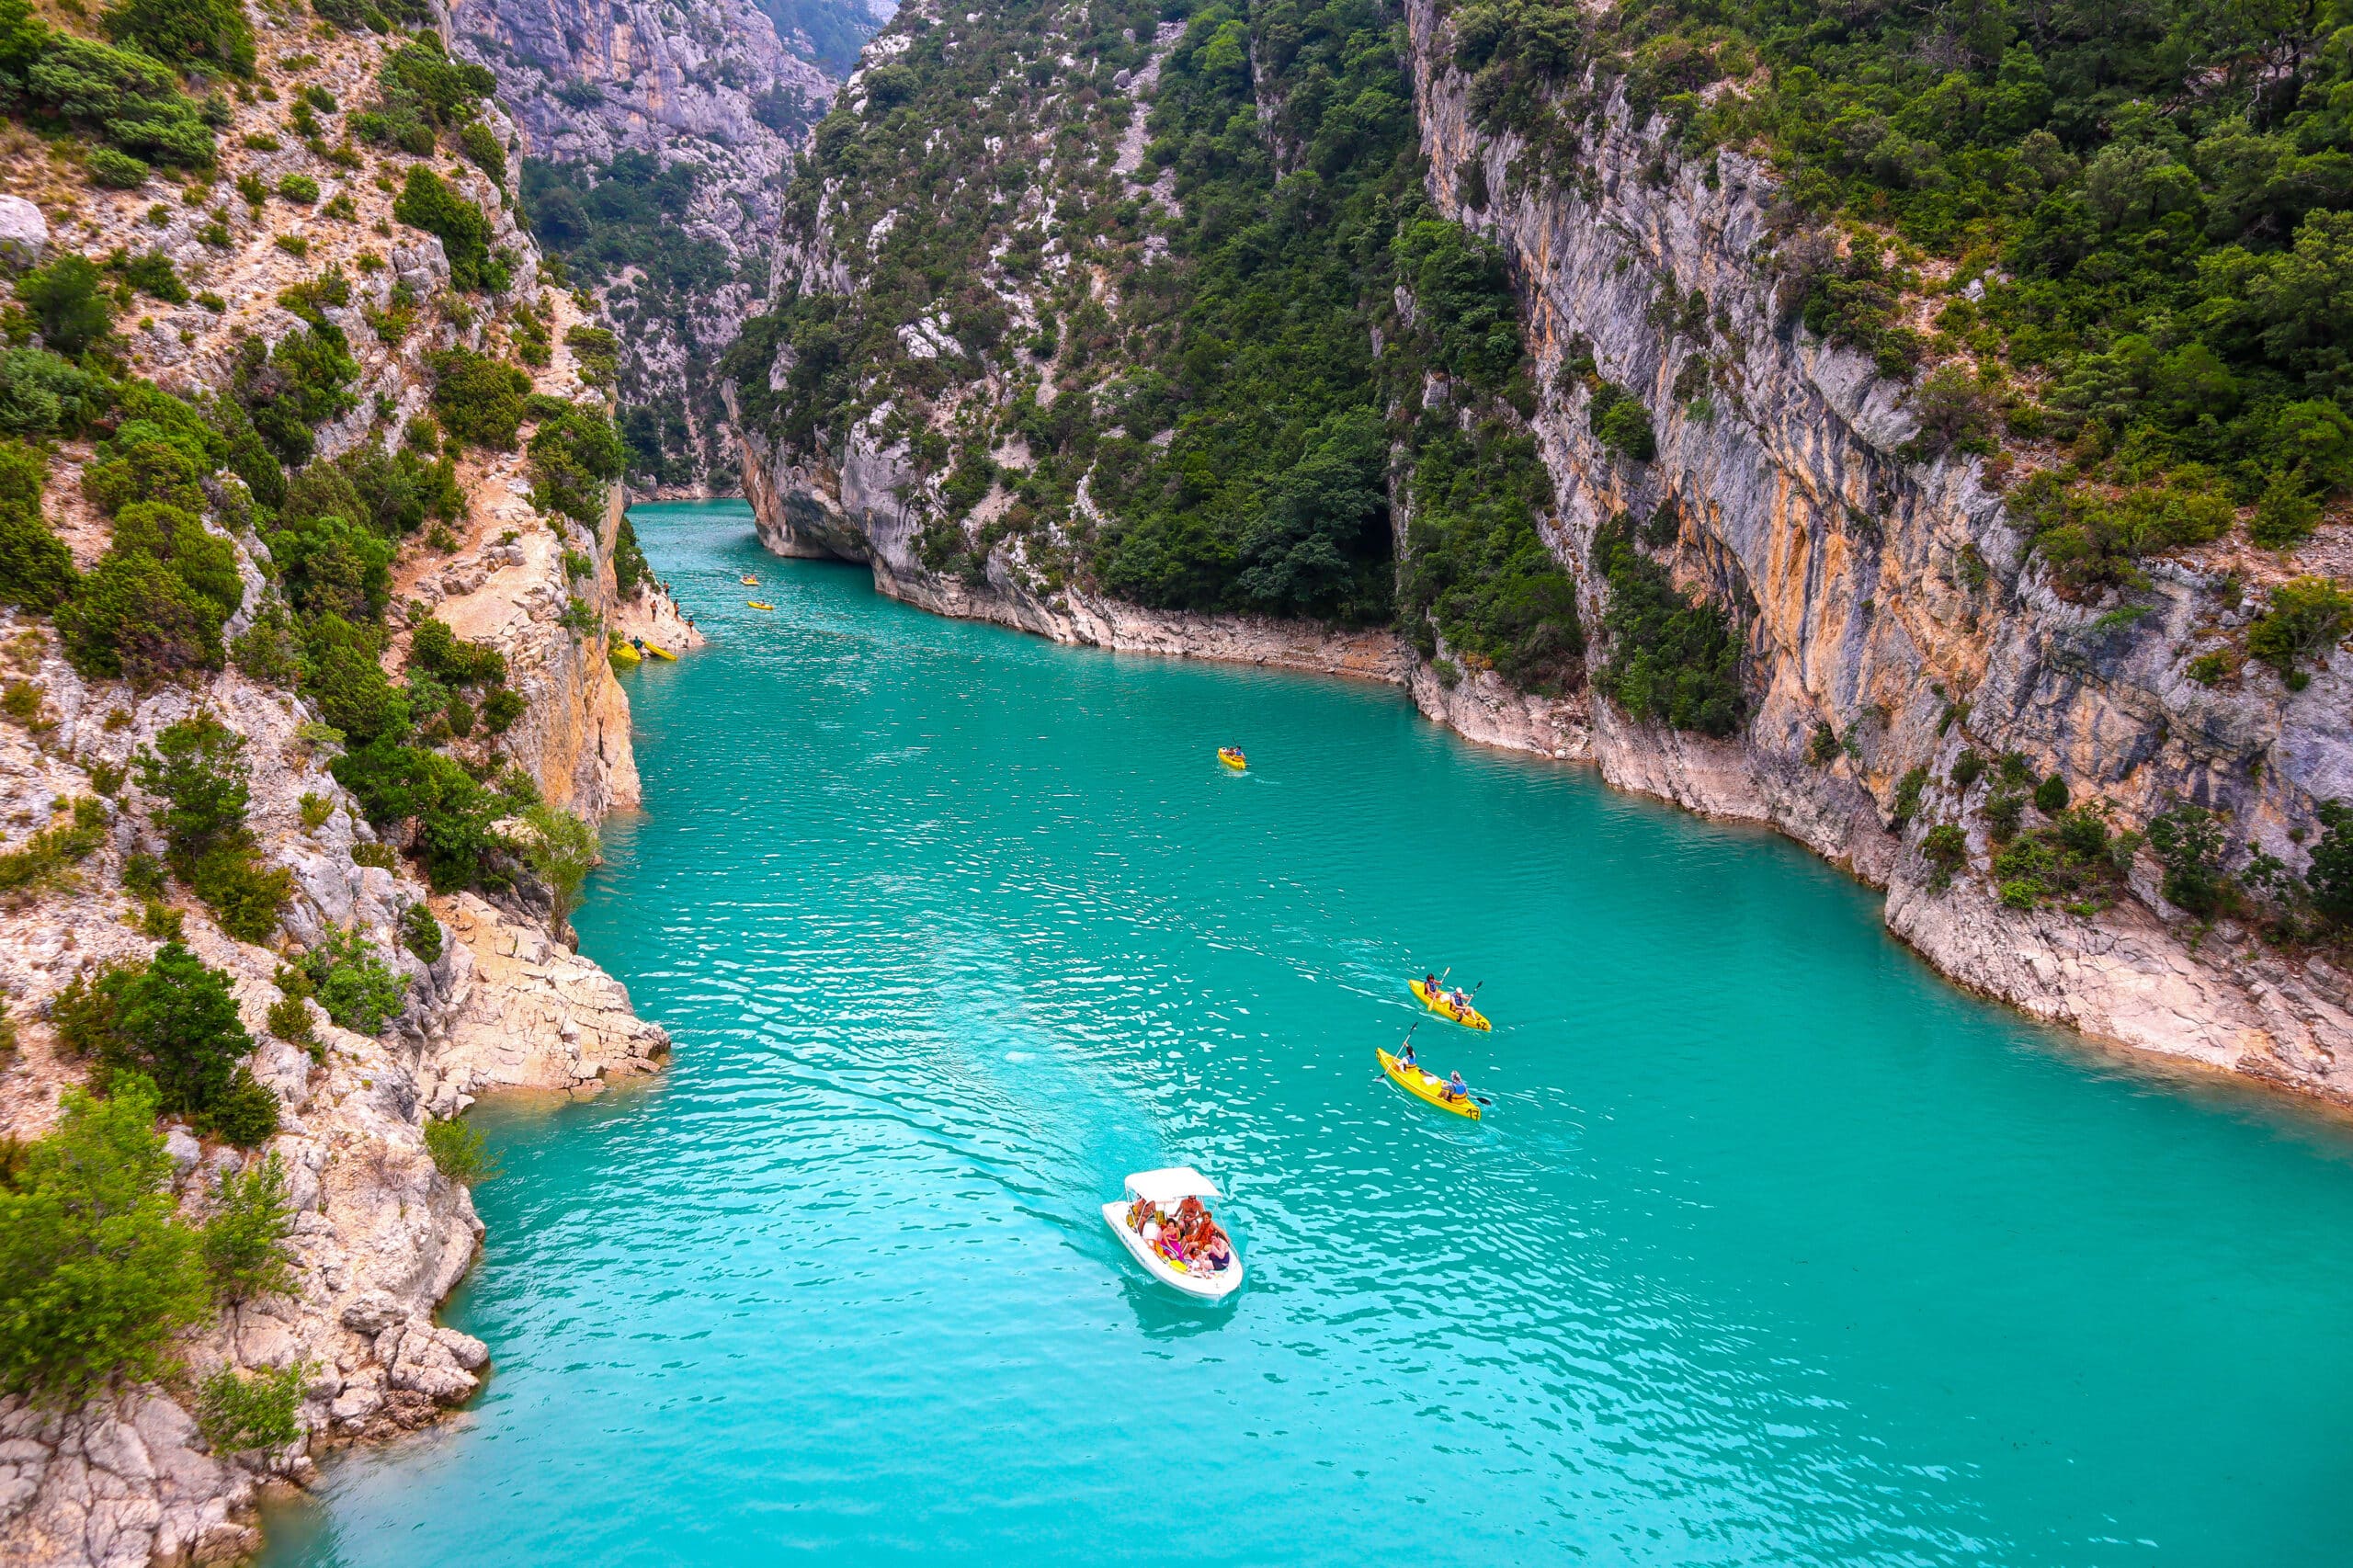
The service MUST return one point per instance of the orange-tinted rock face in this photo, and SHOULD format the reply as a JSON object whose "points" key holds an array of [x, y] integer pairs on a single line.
{"points": [[1892, 601]]}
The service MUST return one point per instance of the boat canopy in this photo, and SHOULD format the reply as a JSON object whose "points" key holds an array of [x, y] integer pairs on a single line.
{"points": [[1171, 1186]]}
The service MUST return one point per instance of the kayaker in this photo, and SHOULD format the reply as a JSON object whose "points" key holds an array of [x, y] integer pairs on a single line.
{"points": [[1456, 1089], [1405, 1057], [1429, 985]]}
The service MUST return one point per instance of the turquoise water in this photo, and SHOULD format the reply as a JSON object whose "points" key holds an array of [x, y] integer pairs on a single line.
{"points": [[1774, 1249]]}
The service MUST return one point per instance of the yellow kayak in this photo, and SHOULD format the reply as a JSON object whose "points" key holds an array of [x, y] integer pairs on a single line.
{"points": [[1232, 756], [1469, 1017], [623, 655], [751, 581], [1426, 1084], [757, 605], [651, 652]]}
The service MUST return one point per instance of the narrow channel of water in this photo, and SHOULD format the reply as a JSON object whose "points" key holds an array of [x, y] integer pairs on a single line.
{"points": [[1774, 1248]]}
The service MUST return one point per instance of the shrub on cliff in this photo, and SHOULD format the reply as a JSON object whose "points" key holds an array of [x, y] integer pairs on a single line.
{"points": [[631, 571], [212, 32], [134, 617], [67, 301], [576, 454], [427, 202], [237, 1412], [198, 768], [36, 569], [348, 979], [454, 812], [170, 1023], [1673, 658], [342, 676], [116, 96], [289, 389], [422, 90], [145, 462], [245, 1237], [42, 394], [441, 651], [333, 566], [479, 400], [2187, 841], [97, 1275], [2307, 618], [459, 1152]]}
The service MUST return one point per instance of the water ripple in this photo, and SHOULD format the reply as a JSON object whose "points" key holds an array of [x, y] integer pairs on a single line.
{"points": [[1772, 1250]]}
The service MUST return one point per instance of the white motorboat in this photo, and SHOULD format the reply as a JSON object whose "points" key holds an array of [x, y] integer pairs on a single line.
{"points": [[1154, 1196]]}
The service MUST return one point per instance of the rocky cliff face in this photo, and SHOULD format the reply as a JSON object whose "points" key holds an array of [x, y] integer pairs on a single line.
{"points": [[1892, 601], [380, 1235], [1884, 602], [710, 89]]}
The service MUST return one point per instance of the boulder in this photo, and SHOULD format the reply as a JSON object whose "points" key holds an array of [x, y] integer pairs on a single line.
{"points": [[23, 232]]}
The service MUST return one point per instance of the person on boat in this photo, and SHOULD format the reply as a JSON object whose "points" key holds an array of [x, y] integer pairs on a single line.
{"points": [[1405, 1057], [1217, 1252], [1172, 1242], [1456, 1089], [1429, 985], [1462, 1000]]}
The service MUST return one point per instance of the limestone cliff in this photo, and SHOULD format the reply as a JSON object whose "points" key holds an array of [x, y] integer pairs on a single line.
{"points": [[380, 1234], [1881, 599], [708, 90]]}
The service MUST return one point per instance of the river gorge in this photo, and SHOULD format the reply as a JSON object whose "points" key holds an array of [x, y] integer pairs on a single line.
{"points": [[1774, 1247]]}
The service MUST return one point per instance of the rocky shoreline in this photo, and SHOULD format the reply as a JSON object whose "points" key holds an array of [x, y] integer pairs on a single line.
{"points": [[380, 1236], [2126, 978]]}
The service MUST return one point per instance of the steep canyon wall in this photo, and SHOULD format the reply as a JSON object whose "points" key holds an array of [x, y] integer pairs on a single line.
{"points": [[1882, 598]]}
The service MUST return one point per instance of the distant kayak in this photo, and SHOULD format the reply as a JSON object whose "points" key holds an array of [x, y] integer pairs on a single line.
{"points": [[757, 605], [1232, 756], [651, 652], [623, 654], [1423, 1084], [751, 581], [1469, 1017]]}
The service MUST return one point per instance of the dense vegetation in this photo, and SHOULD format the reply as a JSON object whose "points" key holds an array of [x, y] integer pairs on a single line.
{"points": [[600, 221], [98, 1272], [2151, 200], [1239, 444]]}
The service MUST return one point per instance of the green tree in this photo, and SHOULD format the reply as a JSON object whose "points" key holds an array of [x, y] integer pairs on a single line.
{"points": [[349, 979], [2307, 618], [2187, 841], [459, 1152], [340, 672], [256, 1412], [36, 569], [68, 303], [245, 1240], [427, 202], [175, 1024], [134, 617], [198, 769], [214, 31], [576, 453], [561, 850], [96, 1274], [480, 401], [2330, 875]]}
